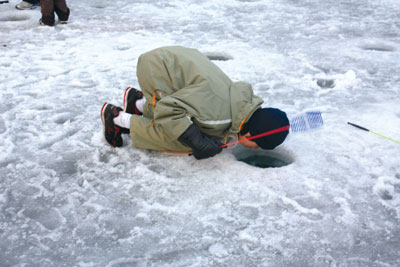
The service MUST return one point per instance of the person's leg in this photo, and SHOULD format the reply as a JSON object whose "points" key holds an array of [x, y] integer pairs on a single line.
{"points": [[145, 135], [47, 7], [62, 10]]}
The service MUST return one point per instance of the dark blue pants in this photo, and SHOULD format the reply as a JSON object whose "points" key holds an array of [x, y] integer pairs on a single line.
{"points": [[32, 1]]}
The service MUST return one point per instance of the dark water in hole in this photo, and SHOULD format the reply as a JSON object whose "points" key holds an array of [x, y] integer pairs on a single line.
{"points": [[263, 161], [326, 83], [263, 158]]}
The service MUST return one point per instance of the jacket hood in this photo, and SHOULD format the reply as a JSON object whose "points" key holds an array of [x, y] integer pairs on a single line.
{"points": [[243, 104]]}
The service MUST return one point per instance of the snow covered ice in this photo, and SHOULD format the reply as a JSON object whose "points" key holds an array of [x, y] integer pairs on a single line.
{"points": [[69, 199]]}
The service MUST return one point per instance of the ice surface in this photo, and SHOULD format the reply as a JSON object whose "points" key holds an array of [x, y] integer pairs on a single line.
{"points": [[68, 199]]}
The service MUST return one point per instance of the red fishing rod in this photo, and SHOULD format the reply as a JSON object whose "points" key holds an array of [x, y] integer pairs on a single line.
{"points": [[282, 129]]}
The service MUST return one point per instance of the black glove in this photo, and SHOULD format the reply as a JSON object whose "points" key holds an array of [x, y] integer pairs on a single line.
{"points": [[202, 146]]}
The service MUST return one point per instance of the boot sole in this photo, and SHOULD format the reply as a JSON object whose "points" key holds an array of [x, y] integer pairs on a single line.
{"points": [[102, 121], [125, 97], [26, 8]]}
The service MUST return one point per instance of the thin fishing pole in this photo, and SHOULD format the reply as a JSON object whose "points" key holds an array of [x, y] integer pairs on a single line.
{"points": [[282, 129], [378, 134]]}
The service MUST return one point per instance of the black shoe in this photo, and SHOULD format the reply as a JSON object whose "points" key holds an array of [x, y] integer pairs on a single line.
{"points": [[130, 97], [112, 132]]}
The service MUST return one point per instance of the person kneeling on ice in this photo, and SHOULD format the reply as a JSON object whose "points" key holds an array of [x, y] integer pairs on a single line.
{"points": [[187, 104]]}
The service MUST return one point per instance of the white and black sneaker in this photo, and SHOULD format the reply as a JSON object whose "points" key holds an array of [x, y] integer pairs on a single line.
{"points": [[130, 97], [25, 5], [112, 133]]}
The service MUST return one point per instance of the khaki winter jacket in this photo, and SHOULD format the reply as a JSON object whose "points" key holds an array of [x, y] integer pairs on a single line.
{"points": [[181, 87]]}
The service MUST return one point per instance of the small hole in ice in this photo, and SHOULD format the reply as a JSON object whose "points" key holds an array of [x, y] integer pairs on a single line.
{"points": [[326, 83], [263, 158], [378, 47], [385, 195], [218, 56]]}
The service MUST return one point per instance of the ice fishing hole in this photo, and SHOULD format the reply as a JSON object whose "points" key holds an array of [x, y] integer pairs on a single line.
{"points": [[263, 158], [385, 194], [218, 56], [378, 47], [326, 83]]}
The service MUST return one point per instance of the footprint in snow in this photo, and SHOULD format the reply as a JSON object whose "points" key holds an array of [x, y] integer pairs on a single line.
{"points": [[15, 17], [378, 47]]}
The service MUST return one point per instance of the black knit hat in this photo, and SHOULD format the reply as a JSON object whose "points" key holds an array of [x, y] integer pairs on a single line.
{"points": [[264, 120]]}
